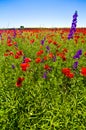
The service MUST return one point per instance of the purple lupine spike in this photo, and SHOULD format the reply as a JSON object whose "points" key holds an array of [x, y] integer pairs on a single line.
{"points": [[78, 54], [73, 26], [42, 42], [48, 48], [44, 75], [54, 59], [75, 65]]}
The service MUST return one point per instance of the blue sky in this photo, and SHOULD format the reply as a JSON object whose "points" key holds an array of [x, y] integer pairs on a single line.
{"points": [[41, 13]]}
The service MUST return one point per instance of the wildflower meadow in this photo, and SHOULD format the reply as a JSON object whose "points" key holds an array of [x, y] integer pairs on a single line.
{"points": [[43, 78]]}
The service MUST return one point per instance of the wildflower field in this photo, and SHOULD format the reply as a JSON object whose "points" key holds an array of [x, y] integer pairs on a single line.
{"points": [[42, 79]]}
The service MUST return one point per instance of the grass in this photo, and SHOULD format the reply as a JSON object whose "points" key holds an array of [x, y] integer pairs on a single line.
{"points": [[54, 103]]}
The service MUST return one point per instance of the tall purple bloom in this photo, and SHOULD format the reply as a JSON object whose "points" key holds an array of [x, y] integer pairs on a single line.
{"points": [[73, 26], [78, 54], [45, 75], [43, 40], [75, 65], [48, 48], [54, 58]]}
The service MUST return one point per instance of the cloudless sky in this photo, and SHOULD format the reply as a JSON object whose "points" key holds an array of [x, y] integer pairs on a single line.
{"points": [[41, 13]]}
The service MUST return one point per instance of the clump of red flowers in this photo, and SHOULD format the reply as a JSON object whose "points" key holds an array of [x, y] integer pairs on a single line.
{"points": [[40, 52], [38, 60], [67, 72], [32, 41], [46, 67], [83, 71], [24, 66], [18, 54], [8, 53], [19, 82], [26, 60]]}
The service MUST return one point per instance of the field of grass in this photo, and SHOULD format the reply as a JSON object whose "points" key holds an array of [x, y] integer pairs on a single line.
{"points": [[42, 80]]}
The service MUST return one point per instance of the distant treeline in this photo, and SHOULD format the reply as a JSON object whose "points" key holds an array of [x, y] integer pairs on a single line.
{"points": [[39, 28]]}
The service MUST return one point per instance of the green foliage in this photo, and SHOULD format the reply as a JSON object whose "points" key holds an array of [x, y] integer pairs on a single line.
{"points": [[54, 103]]}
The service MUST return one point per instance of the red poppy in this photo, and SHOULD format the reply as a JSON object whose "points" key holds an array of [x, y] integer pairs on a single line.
{"points": [[50, 55], [6, 54], [83, 41], [63, 58], [19, 82], [9, 44], [24, 66], [9, 40], [32, 41], [20, 52], [26, 60], [85, 53], [41, 46], [83, 71], [62, 55], [45, 58], [17, 56], [70, 75], [64, 50], [38, 60], [55, 43], [49, 41], [11, 53], [65, 70], [15, 43], [47, 67], [40, 52]]}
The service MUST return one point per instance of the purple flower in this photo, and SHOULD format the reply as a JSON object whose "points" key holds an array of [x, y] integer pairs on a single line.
{"points": [[13, 66], [48, 48], [78, 53], [76, 56], [75, 65], [42, 42], [45, 75], [73, 26], [54, 58]]}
